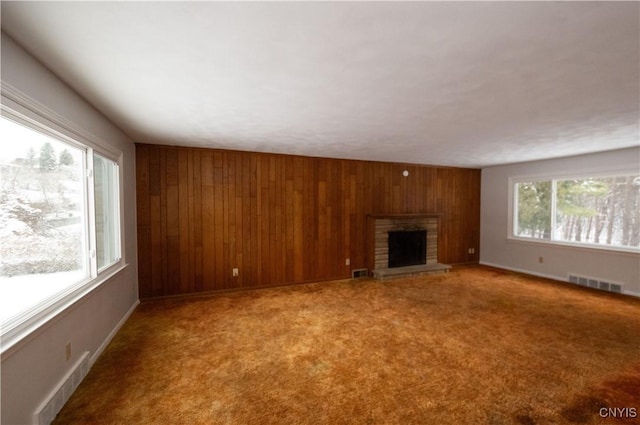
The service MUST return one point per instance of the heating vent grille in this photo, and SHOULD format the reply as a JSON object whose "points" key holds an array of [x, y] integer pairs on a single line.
{"points": [[359, 273], [595, 283], [47, 411]]}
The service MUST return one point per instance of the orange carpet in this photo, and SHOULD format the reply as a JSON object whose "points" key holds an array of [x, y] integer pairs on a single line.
{"points": [[474, 346]]}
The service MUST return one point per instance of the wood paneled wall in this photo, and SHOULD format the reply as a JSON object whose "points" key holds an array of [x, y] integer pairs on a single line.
{"points": [[279, 218]]}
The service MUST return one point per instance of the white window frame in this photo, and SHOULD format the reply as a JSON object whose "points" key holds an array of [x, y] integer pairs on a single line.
{"points": [[19, 108], [553, 178], [116, 181]]}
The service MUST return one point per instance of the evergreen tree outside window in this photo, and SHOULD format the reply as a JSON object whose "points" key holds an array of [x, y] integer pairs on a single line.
{"points": [[65, 158], [534, 209]]}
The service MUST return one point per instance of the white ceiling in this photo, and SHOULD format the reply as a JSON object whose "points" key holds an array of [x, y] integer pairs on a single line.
{"points": [[468, 84]]}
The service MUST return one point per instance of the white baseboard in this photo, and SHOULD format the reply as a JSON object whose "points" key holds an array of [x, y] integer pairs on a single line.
{"points": [[49, 408], [113, 333], [547, 276], [515, 269], [632, 293]]}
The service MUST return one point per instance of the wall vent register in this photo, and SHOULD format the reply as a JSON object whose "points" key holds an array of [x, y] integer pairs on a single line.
{"points": [[596, 283]]}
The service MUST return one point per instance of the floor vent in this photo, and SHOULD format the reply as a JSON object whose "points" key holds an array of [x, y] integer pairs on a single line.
{"points": [[47, 411], [359, 273], [595, 283], [615, 287]]}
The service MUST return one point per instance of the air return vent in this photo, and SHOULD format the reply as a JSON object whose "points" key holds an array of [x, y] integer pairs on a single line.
{"points": [[359, 273], [47, 411], [590, 282], [615, 287]]}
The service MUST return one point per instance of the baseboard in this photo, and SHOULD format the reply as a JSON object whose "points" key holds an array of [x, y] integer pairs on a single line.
{"points": [[529, 272], [217, 292], [631, 293], [562, 279], [465, 264], [49, 408], [113, 333]]}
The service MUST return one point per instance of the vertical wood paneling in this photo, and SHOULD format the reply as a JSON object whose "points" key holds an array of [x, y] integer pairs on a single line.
{"points": [[208, 240], [183, 218], [162, 165], [154, 252], [279, 218]]}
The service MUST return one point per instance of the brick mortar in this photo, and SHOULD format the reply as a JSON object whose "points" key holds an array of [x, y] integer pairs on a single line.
{"points": [[383, 226]]}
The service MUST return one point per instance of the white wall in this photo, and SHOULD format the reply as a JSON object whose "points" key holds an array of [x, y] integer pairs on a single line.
{"points": [[33, 367], [497, 250]]}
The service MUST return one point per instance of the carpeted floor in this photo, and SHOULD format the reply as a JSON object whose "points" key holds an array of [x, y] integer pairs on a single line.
{"points": [[474, 346]]}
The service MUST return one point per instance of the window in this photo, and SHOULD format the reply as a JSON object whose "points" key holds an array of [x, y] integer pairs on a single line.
{"points": [[599, 210], [105, 182], [533, 209], [59, 219]]}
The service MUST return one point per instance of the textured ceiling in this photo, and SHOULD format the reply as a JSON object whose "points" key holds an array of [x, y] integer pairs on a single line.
{"points": [[468, 84]]}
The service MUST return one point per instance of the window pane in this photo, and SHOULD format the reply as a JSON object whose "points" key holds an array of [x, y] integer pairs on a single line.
{"points": [[105, 180], [533, 209], [599, 210], [42, 224]]}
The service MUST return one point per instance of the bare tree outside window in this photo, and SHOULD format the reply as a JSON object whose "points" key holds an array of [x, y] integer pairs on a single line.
{"points": [[599, 210], [591, 210]]}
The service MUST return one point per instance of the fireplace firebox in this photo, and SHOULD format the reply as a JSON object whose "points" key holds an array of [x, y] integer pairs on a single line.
{"points": [[407, 248]]}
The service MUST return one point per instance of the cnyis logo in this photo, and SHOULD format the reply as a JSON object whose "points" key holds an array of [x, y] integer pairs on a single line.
{"points": [[618, 412]]}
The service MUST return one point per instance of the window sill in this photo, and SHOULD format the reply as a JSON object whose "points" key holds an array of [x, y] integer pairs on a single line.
{"points": [[21, 329], [604, 249]]}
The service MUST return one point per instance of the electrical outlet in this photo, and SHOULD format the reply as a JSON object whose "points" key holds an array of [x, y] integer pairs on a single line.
{"points": [[235, 272], [540, 260], [471, 251], [67, 351], [347, 261]]}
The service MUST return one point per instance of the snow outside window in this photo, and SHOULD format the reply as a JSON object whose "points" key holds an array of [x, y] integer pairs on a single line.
{"points": [[602, 210], [47, 232]]}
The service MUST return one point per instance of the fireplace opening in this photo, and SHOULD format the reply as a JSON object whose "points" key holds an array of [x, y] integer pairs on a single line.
{"points": [[407, 248]]}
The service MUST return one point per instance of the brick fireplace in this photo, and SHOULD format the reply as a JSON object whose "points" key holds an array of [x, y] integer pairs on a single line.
{"points": [[379, 228]]}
